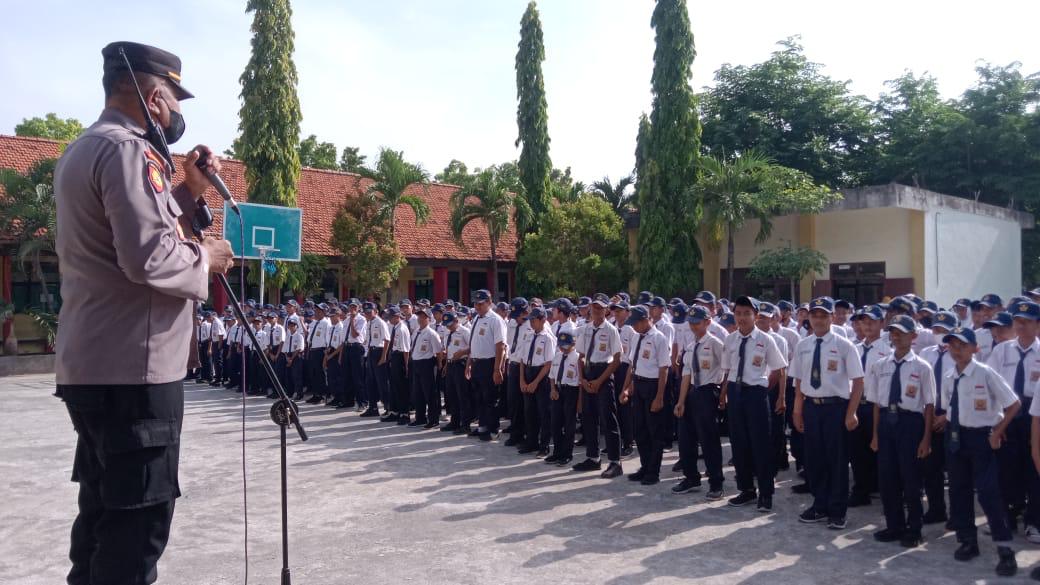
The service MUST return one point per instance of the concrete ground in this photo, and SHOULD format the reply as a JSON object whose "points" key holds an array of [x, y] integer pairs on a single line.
{"points": [[372, 503]]}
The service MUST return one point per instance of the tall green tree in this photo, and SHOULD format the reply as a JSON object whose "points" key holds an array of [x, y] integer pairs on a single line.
{"points": [[28, 214], [50, 126], [786, 106], [580, 248], [391, 177], [668, 251], [750, 187], [456, 173], [351, 161], [487, 199], [362, 233], [532, 117], [317, 155], [787, 263], [269, 121], [616, 194]]}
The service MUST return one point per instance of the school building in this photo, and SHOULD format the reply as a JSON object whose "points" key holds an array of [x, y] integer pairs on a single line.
{"points": [[438, 266], [883, 241]]}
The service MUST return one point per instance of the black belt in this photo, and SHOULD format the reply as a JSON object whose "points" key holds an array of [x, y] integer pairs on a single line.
{"points": [[482, 359], [396, 352], [895, 409], [825, 400], [590, 364], [709, 386], [644, 378]]}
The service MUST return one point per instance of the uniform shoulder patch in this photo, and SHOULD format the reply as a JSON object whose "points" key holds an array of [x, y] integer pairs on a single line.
{"points": [[153, 171]]}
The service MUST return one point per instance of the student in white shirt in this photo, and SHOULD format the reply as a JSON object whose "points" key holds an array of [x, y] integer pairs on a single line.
{"points": [[487, 350], [829, 386], [517, 331], [422, 363], [645, 386], [901, 388], [395, 358], [935, 465], [862, 458], [535, 363], [979, 407], [767, 312], [317, 340], [206, 367], [376, 382], [563, 377], [698, 405], [294, 360], [333, 360], [599, 346], [626, 422], [354, 335], [749, 356], [453, 362]]}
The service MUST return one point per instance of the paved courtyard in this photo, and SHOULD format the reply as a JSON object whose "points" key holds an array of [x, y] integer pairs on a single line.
{"points": [[373, 504]]}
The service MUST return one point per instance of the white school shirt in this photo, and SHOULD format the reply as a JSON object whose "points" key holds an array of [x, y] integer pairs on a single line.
{"points": [[278, 336], [839, 366], [707, 351], [628, 338], [318, 336], [296, 342], [516, 337], [879, 349], [982, 395], [683, 336], [1004, 361], [606, 343], [413, 323], [232, 334], [761, 356], [378, 332], [217, 331], [654, 352], [286, 336], [457, 340], [790, 336], [664, 325], [486, 332], [565, 327], [204, 331], [427, 344], [402, 339], [781, 344], [839, 330], [716, 329], [539, 348], [263, 339], [336, 339], [984, 339], [917, 382], [925, 338], [569, 362], [361, 324]]}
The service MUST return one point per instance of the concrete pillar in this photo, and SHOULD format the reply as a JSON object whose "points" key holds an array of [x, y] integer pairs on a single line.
{"points": [[440, 285], [220, 299]]}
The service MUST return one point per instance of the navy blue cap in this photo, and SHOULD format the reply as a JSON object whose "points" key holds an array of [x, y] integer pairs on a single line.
{"points": [[565, 339], [945, 320], [746, 301], [564, 305], [393, 311], [767, 310], [584, 302], [902, 304], [679, 312], [639, 313], [501, 306], [368, 306], [438, 307], [657, 302], [482, 296], [728, 320], [448, 318], [536, 313], [1001, 319], [1035, 292], [962, 302], [425, 312], [963, 333], [405, 302], [991, 300], [353, 302], [308, 304], [624, 296], [674, 301], [929, 307], [644, 297], [308, 313], [423, 302], [842, 303], [872, 312], [705, 296], [785, 306], [1026, 309], [822, 304], [697, 314], [518, 303], [904, 323], [601, 299], [283, 314], [622, 304]]}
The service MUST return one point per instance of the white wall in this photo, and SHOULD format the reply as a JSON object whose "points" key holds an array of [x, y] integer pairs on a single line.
{"points": [[968, 255]]}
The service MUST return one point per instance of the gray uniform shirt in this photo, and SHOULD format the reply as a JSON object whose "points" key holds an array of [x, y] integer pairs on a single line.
{"points": [[122, 252]]}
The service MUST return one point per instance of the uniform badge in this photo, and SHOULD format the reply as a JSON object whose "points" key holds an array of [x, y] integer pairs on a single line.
{"points": [[832, 365], [1034, 375], [481, 332], [646, 354], [756, 361], [911, 390], [537, 351], [980, 404], [153, 171], [603, 347]]}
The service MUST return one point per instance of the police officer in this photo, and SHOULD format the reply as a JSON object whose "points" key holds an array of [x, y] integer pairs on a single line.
{"points": [[123, 249]]}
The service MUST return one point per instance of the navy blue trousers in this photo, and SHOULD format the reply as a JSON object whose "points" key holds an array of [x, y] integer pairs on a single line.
{"points": [[651, 428], [827, 456], [973, 469], [900, 472], [599, 415], [702, 412], [750, 437], [563, 418]]}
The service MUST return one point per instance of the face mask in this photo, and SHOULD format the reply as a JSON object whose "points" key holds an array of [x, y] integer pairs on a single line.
{"points": [[173, 132]]}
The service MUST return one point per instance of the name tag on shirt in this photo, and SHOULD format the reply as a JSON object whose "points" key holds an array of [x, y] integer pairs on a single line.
{"points": [[832, 365], [705, 364], [537, 351], [981, 403], [603, 347], [481, 331], [646, 354], [425, 347]]}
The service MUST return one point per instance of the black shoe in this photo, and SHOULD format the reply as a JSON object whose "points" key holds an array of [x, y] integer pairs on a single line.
{"points": [[911, 540], [513, 442], [677, 468], [564, 461], [476, 432], [859, 500], [552, 458], [966, 551], [415, 423], [542, 453], [765, 504], [888, 535], [650, 480], [431, 425], [341, 406], [485, 437], [714, 494], [402, 420], [525, 449], [613, 470], [449, 428], [369, 414], [934, 517], [627, 451], [837, 523], [743, 499], [588, 465], [637, 476], [1007, 566], [811, 516], [388, 418], [508, 430], [311, 400], [1035, 574], [461, 431], [271, 395], [580, 442], [686, 485], [802, 488]]}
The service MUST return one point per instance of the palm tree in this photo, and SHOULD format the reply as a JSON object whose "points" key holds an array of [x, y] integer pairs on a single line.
{"points": [[616, 195], [751, 187], [486, 197], [390, 179], [29, 214]]}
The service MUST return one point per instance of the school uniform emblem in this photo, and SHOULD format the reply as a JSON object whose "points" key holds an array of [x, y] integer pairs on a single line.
{"points": [[832, 365], [757, 360], [705, 364], [911, 391], [980, 404], [646, 354]]}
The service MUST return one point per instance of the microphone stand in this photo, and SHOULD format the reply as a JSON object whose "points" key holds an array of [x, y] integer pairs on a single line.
{"points": [[284, 411]]}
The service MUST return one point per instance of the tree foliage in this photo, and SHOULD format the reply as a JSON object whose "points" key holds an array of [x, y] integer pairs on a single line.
{"points": [[363, 233], [532, 117], [351, 161], [391, 177], [269, 120], [28, 215], [787, 263], [50, 126], [487, 199], [787, 107], [579, 248], [666, 160], [616, 194], [317, 155]]}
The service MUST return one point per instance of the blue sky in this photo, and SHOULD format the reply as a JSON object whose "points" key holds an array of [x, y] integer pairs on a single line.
{"points": [[436, 79]]}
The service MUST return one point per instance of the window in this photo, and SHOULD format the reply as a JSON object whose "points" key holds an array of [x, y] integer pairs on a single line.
{"points": [[502, 290], [423, 289], [859, 283], [26, 290], [454, 284]]}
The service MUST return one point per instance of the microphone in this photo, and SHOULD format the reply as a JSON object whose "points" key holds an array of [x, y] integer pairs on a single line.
{"points": [[217, 183]]}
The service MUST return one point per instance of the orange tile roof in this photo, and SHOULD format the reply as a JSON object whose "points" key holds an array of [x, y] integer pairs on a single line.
{"points": [[320, 194]]}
